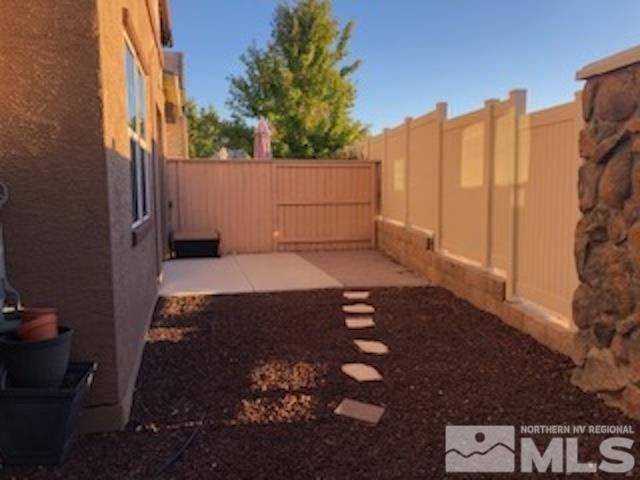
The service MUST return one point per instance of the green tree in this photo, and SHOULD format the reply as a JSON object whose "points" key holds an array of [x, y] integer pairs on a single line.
{"points": [[301, 83], [208, 133], [204, 129], [236, 134]]}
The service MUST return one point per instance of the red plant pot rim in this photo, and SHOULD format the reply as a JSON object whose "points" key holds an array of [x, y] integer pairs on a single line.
{"points": [[29, 315], [38, 322]]}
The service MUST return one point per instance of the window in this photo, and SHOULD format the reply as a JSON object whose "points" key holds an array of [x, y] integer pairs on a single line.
{"points": [[137, 126]]}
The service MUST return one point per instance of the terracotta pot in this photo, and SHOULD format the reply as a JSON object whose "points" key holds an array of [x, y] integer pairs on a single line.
{"points": [[38, 324], [29, 314]]}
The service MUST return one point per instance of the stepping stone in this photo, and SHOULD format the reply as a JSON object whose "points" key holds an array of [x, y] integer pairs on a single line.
{"points": [[371, 346], [365, 412], [361, 372], [352, 295], [356, 323], [358, 308]]}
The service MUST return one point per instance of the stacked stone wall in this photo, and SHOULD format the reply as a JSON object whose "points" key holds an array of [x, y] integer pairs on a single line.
{"points": [[606, 305]]}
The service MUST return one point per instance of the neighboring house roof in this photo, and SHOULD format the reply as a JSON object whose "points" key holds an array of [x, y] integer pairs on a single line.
{"points": [[238, 154], [165, 24]]}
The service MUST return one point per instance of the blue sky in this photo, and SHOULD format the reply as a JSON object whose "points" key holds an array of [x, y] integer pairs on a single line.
{"points": [[419, 52]]}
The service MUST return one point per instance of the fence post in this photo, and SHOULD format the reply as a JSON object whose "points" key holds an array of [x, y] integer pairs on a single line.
{"points": [[579, 118], [441, 112], [488, 176], [275, 227], [385, 173], [518, 100], [407, 171], [176, 216], [374, 185]]}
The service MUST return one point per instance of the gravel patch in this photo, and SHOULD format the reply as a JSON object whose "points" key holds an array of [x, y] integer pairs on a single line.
{"points": [[246, 387]]}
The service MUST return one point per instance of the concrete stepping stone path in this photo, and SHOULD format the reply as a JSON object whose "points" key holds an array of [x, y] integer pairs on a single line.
{"points": [[364, 412], [356, 295], [358, 308], [371, 346], [358, 323], [361, 372]]}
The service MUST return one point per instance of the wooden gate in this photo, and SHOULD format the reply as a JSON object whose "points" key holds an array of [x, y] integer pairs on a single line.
{"points": [[262, 206]]}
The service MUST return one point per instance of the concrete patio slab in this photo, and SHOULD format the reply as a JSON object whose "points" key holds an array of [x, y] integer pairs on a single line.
{"points": [[361, 372], [358, 308], [203, 276], [364, 269], [269, 272], [272, 272], [358, 323], [354, 295], [364, 412], [371, 346]]}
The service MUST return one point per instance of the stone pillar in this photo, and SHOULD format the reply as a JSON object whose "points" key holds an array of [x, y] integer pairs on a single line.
{"points": [[606, 304]]}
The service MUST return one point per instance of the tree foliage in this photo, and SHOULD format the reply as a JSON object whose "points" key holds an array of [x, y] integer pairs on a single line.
{"points": [[301, 82], [208, 133], [204, 129], [234, 133]]}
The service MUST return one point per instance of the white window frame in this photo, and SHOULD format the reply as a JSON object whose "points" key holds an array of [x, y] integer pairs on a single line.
{"points": [[142, 158]]}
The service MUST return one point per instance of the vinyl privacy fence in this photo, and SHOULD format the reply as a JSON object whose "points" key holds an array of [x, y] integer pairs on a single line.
{"points": [[263, 206], [495, 188]]}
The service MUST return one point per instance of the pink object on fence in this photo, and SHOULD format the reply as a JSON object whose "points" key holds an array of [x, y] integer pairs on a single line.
{"points": [[262, 142]]}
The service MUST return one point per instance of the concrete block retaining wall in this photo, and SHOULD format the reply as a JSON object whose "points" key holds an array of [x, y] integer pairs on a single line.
{"points": [[484, 289]]}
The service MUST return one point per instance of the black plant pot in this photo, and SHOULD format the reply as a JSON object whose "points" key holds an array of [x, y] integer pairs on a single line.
{"points": [[36, 364], [37, 425]]}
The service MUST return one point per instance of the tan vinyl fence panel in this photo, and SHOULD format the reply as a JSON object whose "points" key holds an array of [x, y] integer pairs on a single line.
{"points": [[456, 180], [502, 195], [548, 206], [394, 164], [332, 204], [423, 171], [233, 198], [278, 205], [463, 182]]}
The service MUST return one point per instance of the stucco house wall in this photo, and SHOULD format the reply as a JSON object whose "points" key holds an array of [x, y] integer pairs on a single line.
{"points": [[134, 257], [178, 138], [52, 158], [65, 157]]}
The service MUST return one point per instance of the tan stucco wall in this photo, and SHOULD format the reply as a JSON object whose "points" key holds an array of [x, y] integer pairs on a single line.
{"points": [[52, 158], [64, 153], [178, 138], [134, 267]]}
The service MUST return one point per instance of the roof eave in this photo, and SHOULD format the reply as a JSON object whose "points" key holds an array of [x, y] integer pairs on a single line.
{"points": [[166, 24]]}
